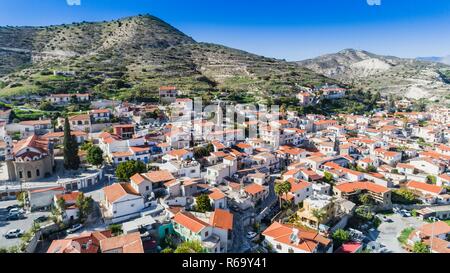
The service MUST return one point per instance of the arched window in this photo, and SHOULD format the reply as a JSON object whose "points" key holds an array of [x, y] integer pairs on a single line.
{"points": [[38, 172]]}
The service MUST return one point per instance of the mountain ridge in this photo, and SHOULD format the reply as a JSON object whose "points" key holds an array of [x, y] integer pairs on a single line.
{"points": [[134, 56], [386, 74]]}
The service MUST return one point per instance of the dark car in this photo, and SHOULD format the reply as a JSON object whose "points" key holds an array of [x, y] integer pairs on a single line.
{"points": [[41, 219], [13, 217], [12, 207]]}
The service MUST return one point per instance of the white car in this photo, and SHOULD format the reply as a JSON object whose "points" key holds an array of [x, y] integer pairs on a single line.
{"points": [[16, 211], [74, 228], [251, 235], [14, 233]]}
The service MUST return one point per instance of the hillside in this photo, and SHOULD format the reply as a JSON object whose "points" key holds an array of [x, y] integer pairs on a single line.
{"points": [[387, 74], [132, 57]]}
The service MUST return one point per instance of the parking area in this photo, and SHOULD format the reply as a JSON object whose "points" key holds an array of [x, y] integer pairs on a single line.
{"points": [[387, 232], [24, 224]]}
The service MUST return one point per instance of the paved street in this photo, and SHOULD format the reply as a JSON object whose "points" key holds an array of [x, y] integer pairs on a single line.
{"points": [[387, 233], [24, 224], [240, 241]]}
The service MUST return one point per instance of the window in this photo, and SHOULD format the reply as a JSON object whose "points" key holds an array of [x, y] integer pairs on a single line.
{"points": [[206, 234], [20, 174], [132, 205], [29, 174], [279, 246], [38, 173], [147, 188]]}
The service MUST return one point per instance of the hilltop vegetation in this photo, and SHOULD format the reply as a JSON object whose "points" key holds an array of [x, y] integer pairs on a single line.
{"points": [[133, 57]]}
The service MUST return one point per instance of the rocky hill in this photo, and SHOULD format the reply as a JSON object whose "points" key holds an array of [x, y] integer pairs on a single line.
{"points": [[387, 74], [132, 57]]}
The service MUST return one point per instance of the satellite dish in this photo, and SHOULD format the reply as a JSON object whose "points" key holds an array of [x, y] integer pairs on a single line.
{"points": [[374, 246]]}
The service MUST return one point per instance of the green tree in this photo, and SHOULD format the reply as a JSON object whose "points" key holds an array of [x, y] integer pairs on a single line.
{"points": [[21, 197], [320, 214], [95, 156], [371, 169], [85, 206], [71, 158], [61, 203], [364, 212], [116, 229], [203, 204], [190, 247], [366, 199], [282, 188], [328, 178], [167, 250], [340, 236], [200, 152], [403, 196], [420, 247], [86, 146], [46, 106], [431, 179], [58, 211], [127, 169]]}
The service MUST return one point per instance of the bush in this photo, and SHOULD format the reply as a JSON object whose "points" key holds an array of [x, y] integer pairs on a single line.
{"points": [[420, 247], [404, 235], [340, 236], [403, 196], [190, 247], [127, 169], [116, 229], [203, 204], [95, 156]]}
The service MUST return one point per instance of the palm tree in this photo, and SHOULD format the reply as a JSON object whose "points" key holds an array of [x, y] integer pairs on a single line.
{"points": [[320, 214], [282, 188], [279, 190]]}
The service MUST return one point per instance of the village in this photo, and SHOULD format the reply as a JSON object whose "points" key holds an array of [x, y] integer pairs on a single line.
{"points": [[170, 177]]}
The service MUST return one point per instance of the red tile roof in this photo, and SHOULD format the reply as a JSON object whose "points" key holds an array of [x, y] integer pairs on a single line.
{"points": [[355, 186], [189, 221], [117, 190], [424, 187], [222, 219]]}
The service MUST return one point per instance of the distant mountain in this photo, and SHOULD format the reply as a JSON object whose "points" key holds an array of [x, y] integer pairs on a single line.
{"points": [[132, 57], [386, 74], [444, 60]]}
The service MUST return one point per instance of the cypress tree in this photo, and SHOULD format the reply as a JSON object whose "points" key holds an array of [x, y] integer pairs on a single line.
{"points": [[71, 158]]}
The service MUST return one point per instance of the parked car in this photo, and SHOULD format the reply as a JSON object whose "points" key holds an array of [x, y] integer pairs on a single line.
{"points": [[12, 207], [14, 233], [405, 213], [41, 219], [384, 218], [74, 228], [251, 235], [15, 216], [16, 210]]}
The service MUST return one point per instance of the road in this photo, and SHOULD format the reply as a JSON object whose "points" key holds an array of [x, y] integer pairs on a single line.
{"points": [[240, 241], [24, 224], [387, 233]]}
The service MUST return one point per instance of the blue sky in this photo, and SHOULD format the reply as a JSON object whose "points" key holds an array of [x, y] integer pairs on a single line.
{"points": [[285, 29]]}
